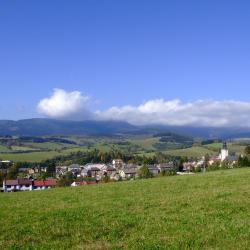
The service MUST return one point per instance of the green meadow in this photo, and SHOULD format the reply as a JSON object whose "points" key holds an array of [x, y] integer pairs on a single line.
{"points": [[202, 211], [140, 145]]}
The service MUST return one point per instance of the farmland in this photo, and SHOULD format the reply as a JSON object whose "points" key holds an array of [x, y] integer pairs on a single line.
{"points": [[202, 211], [33, 151]]}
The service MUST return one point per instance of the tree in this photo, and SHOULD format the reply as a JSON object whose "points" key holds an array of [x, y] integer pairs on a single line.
{"points": [[66, 180], [168, 172], [13, 172], [243, 161], [247, 150], [145, 173]]}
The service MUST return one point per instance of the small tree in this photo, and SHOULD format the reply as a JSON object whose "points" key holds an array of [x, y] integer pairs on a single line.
{"points": [[13, 172], [66, 180], [145, 173], [247, 150], [168, 172]]}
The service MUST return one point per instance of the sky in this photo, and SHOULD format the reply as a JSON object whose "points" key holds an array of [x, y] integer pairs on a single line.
{"points": [[136, 60]]}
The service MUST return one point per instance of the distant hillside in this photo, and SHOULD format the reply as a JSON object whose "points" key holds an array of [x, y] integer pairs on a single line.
{"points": [[41, 127]]}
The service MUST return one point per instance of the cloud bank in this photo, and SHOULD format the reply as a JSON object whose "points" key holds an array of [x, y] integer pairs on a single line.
{"points": [[65, 105], [201, 113]]}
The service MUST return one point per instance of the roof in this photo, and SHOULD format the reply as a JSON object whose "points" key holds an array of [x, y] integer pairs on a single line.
{"points": [[24, 182], [131, 165], [38, 183], [18, 182], [74, 166], [129, 171], [45, 183], [166, 165], [232, 158], [11, 182], [109, 168], [51, 182], [94, 169], [153, 168], [90, 166]]}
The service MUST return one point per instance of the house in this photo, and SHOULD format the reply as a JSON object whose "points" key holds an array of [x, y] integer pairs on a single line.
{"points": [[61, 170], [188, 166], [94, 170], [108, 170], [118, 163], [232, 159], [27, 185], [213, 160], [44, 184], [31, 171], [166, 166], [17, 185], [153, 169], [75, 169], [128, 173], [23, 170], [115, 176]]}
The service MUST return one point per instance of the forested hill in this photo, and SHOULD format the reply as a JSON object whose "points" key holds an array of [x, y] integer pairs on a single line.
{"points": [[42, 127]]}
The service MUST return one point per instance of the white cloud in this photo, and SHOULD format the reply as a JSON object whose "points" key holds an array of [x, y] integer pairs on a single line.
{"points": [[210, 113], [64, 105], [174, 112]]}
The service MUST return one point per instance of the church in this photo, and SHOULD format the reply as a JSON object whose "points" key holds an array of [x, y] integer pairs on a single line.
{"points": [[224, 152]]}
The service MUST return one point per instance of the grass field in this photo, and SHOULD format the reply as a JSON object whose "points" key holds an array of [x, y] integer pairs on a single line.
{"points": [[202, 211], [190, 152], [137, 145], [38, 156]]}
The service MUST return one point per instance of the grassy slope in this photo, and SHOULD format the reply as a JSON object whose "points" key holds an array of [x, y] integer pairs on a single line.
{"points": [[143, 145], [193, 151], [38, 156], [204, 211]]}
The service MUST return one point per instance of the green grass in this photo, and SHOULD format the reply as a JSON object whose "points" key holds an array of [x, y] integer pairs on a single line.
{"points": [[147, 146], [146, 143], [203, 211], [4, 149], [50, 145], [233, 147], [22, 148], [193, 151], [38, 156]]}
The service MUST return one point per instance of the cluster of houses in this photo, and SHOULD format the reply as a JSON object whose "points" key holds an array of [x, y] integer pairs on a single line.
{"points": [[224, 156], [115, 171], [92, 173]]}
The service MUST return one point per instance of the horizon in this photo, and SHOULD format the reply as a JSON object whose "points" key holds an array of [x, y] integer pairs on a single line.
{"points": [[175, 64]]}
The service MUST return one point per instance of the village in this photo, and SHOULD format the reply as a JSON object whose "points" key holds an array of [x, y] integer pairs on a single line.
{"points": [[94, 173]]}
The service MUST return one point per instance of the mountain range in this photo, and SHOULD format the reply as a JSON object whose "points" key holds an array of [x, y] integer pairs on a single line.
{"points": [[50, 127]]}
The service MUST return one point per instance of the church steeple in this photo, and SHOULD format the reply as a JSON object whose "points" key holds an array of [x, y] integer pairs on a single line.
{"points": [[224, 145], [224, 152]]}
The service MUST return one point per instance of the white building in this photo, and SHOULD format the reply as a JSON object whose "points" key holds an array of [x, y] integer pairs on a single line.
{"points": [[224, 152], [17, 185], [118, 164]]}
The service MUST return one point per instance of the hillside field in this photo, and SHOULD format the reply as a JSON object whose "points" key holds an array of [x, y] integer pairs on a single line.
{"points": [[20, 150], [201, 211]]}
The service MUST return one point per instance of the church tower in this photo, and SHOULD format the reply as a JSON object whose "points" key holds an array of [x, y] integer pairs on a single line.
{"points": [[224, 152]]}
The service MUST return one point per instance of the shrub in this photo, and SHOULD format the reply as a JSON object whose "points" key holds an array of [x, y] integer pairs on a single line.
{"points": [[145, 173]]}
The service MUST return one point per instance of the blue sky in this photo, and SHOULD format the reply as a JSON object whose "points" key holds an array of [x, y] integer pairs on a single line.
{"points": [[122, 52]]}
